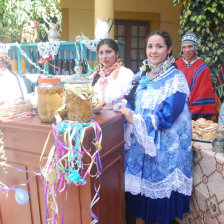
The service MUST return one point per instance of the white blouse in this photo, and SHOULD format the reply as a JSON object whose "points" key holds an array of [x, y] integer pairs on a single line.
{"points": [[115, 89]]}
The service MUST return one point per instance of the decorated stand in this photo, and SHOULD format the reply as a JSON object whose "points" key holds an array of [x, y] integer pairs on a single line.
{"points": [[76, 197]]}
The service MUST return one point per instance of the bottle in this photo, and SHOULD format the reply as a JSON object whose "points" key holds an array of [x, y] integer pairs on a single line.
{"points": [[71, 64], [58, 70], [14, 63], [52, 68], [32, 69], [23, 65], [65, 65]]}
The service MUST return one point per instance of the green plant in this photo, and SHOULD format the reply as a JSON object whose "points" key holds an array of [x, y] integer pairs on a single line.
{"points": [[15, 13], [205, 18]]}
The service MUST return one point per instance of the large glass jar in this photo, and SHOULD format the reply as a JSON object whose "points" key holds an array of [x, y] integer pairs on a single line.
{"points": [[218, 142], [50, 98], [78, 96]]}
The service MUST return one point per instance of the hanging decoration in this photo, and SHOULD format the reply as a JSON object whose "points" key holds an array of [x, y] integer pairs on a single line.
{"points": [[23, 53], [21, 196], [4, 48], [48, 48], [90, 44], [65, 165]]}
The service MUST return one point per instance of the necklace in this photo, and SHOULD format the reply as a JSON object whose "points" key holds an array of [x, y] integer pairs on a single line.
{"points": [[145, 81], [155, 69]]}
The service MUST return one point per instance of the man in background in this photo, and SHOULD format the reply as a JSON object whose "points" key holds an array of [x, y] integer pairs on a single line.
{"points": [[197, 73]]}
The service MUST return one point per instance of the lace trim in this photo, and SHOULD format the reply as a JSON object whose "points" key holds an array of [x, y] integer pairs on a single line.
{"points": [[177, 181], [48, 48], [140, 131], [151, 99], [129, 129]]}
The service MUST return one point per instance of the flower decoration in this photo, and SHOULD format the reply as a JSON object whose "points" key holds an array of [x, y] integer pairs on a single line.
{"points": [[35, 24], [45, 61], [41, 61]]}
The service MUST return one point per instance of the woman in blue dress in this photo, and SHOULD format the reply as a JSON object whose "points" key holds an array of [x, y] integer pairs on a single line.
{"points": [[158, 151]]}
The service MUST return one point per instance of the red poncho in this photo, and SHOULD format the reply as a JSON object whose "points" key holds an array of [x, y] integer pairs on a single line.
{"points": [[201, 99]]}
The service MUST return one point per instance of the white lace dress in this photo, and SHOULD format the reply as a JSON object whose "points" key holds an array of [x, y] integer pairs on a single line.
{"points": [[158, 144]]}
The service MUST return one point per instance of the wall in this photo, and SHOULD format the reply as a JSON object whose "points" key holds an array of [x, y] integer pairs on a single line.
{"points": [[169, 15], [81, 16]]}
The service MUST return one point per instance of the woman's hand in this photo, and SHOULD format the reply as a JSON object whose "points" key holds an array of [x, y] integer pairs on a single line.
{"points": [[127, 113]]}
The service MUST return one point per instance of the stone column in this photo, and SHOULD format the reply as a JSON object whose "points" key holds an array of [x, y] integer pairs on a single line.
{"points": [[104, 9]]}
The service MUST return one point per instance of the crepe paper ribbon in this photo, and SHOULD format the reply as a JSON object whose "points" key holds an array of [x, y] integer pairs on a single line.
{"points": [[64, 164], [19, 116], [3, 158]]}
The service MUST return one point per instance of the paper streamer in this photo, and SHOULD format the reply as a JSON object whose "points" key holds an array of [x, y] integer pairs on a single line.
{"points": [[64, 164]]}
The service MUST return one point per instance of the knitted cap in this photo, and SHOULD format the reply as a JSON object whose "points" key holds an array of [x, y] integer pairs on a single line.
{"points": [[191, 38]]}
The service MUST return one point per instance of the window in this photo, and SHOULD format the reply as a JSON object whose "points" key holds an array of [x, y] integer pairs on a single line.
{"points": [[134, 34]]}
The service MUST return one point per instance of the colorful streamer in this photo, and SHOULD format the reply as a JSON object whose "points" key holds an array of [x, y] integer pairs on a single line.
{"points": [[64, 164], [3, 161]]}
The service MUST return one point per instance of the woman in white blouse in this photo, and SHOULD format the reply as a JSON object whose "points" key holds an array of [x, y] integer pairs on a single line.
{"points": [[111, 80]]}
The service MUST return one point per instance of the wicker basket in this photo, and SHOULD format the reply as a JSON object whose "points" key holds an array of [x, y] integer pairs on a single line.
{"points": [[15, 109]]}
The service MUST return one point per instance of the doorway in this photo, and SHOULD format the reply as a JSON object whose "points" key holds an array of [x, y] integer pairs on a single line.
{"points": [[134, 34]]}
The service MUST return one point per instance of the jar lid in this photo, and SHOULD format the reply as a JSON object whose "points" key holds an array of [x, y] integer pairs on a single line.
{"points": [[49, 80], [79, 82]]}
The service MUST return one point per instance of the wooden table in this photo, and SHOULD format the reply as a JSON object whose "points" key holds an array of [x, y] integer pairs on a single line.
{"points": [[207, 200], [24, 141]]}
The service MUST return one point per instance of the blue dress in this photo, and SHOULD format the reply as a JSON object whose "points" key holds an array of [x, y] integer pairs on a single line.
{"points": [[158, 150]]}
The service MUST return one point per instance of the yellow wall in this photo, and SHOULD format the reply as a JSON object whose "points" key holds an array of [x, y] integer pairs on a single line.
{"points": [[81, 16]]}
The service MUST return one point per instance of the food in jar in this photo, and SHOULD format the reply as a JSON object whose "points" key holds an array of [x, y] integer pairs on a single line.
{"points": [[50, 99], [78, 102]]}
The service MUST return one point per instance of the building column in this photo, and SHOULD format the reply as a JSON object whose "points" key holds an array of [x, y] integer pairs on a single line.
{"points": [[104, 9]]}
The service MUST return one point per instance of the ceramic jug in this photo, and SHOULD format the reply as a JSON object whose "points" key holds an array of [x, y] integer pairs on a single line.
{"points": [[102, 29], [54, 32]]}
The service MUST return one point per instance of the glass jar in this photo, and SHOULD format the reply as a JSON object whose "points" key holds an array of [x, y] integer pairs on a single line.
{"points": [[218, 142], [50, 98], [78, 96]]}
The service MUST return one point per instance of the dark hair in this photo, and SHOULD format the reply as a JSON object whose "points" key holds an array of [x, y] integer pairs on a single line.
{"points": [[165, 35], [168, 41], [111, 43]]}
